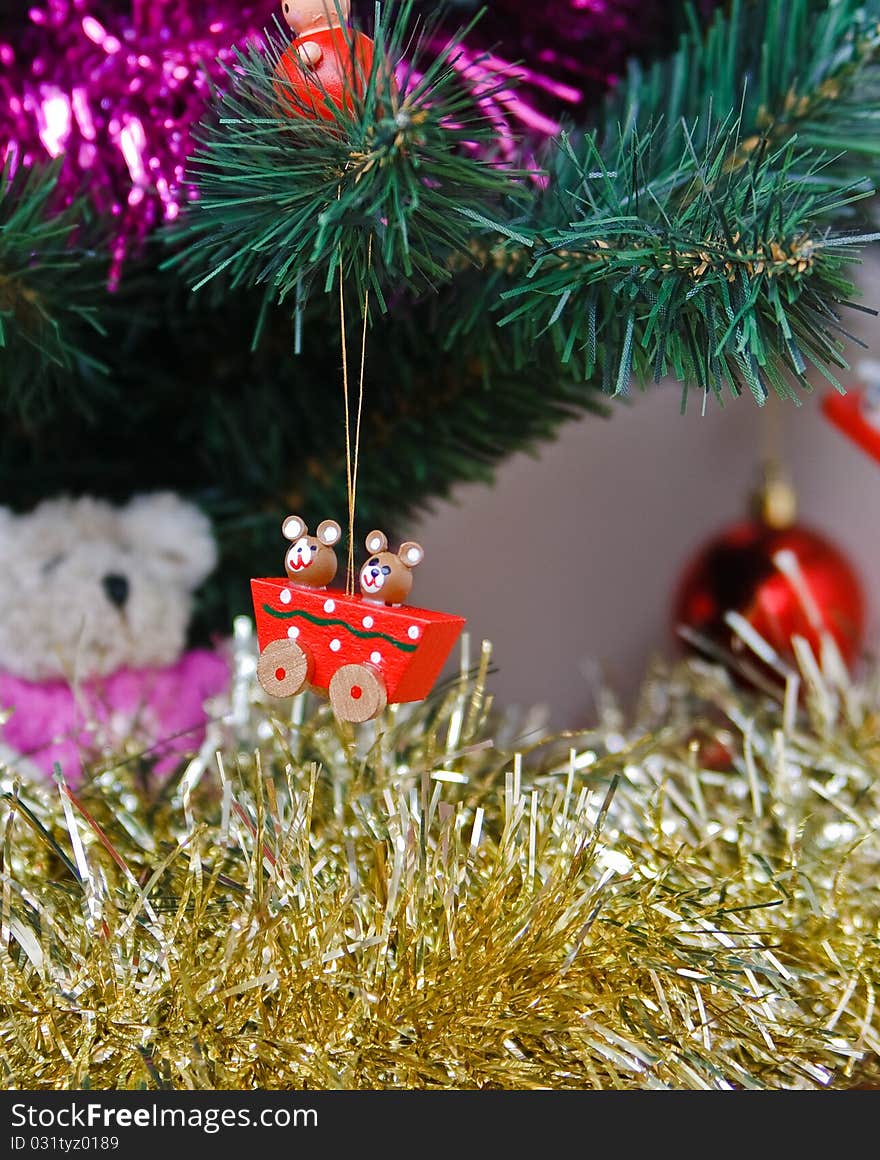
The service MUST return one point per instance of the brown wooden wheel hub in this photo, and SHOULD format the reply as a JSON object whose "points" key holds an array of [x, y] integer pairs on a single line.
{"points": [[357, 693], [283, 668]]}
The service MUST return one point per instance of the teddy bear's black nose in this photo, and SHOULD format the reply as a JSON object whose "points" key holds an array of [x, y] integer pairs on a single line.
{"points": [[116, 588]]}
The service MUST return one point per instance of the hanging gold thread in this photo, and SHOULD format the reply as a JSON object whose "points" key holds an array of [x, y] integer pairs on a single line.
{"points": [[357, 434], [348, 576], [352, 457]]}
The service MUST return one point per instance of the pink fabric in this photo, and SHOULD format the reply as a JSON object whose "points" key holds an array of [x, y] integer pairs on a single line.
{"points": [[163, 709]]}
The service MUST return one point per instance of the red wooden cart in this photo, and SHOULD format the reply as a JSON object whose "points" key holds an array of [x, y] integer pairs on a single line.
{"points": [[363, 653]]}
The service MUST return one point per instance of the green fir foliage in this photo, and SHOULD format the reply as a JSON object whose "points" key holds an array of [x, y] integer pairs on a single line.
{"points": [[691, 233], [716, 274], [50, 297], [688, 234], [379, 188]]}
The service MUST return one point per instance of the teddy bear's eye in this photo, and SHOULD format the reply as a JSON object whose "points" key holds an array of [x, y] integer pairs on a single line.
{"points": [[386, 571], [314, 547], [52, 563], [375, 560]]}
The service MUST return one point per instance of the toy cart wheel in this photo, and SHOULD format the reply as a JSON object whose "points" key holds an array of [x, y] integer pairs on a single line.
{"points": [[283, 668], [357, 693]]}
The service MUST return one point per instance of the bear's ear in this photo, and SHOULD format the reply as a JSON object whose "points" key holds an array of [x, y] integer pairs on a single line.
{"points": [[329, 533], [411, 554], [376, 542], [175, 534], [293, 527]]}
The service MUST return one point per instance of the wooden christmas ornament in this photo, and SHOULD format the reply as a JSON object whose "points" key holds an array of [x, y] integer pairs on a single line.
{"points": [[363, 652], [327, 64]]}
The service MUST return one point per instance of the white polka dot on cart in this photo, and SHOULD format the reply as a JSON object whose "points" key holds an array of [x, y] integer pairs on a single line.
{"points": [[329, 605], [413, 632], [293, 632], [286, 596], [376, 657], [335, 645], [368, 622]]}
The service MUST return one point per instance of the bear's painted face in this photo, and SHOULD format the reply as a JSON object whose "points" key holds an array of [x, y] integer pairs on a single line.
{"points": [[373, 576], [87, 588], [385, 578], [310, 562]]}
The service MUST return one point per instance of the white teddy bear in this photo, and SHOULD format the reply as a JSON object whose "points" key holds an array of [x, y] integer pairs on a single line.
{"points": [[95, 603]]}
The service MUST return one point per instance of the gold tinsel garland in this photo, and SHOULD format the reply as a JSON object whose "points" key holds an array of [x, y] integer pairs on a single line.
{"points": [[439, 901]]}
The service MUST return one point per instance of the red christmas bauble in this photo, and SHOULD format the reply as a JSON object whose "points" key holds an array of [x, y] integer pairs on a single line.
{"points": [[340, 76], [736, 572]]}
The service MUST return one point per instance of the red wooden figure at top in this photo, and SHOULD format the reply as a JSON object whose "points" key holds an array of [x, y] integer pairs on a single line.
{"points": [[327, 63]]}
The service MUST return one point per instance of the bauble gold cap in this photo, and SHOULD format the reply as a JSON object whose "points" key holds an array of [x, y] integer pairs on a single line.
{"points": [[774, 503]]}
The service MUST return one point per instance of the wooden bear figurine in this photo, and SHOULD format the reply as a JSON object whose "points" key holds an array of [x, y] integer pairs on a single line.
{"points": [[311, 560], [387, 578]]}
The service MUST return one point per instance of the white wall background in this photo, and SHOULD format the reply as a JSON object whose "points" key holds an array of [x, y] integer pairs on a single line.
{"points": [[571, 559]]}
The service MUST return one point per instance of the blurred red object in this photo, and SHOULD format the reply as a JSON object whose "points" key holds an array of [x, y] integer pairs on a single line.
{"points": [[857, 415], [739, 571]]}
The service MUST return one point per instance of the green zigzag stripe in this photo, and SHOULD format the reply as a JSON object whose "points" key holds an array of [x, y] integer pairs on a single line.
{"points": [[354, 631]]}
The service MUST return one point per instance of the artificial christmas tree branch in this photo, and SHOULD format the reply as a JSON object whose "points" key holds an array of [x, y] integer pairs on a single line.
{"points": [[690, 232], [714, 275], [804, 68], [285, 200], [689, 237], [50, 294]]}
